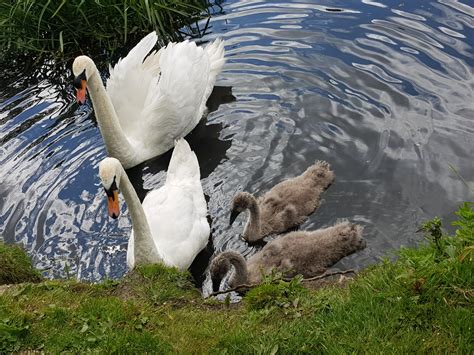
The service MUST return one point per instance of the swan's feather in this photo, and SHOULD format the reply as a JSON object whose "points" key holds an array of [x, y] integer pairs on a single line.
{"points": [[176, 213], [215, 53], [184, 166], [163, 97], [180, 101], [130, 82]]}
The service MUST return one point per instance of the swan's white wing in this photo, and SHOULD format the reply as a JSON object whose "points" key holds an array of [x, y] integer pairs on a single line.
{"points": [[184, 166], [215, 52], [175, 111], [179, 229], [176, 213], [163, 97], [131, 80]]}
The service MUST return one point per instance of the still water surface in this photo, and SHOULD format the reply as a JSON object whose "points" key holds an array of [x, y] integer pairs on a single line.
{"points": [[383, 90]]}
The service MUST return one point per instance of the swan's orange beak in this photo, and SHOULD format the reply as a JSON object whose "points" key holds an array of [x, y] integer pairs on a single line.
{"points": [[80, 83], [81, 93], [113, 203]]}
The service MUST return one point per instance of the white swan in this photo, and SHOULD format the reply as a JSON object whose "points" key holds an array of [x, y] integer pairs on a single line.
{"points": [[170, 227], [150, 102]]}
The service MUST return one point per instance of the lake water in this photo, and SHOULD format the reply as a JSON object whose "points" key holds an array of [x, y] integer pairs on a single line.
{"points": [[381, 90]]}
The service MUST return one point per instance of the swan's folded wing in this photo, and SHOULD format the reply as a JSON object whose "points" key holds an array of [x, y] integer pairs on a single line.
{"points": [[198, 235], [178, 223], [215, 52], [131, 80], [174, 105], [184, 166]]}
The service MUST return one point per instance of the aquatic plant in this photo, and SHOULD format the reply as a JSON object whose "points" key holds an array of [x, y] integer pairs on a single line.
{"points": [[70, 26]]}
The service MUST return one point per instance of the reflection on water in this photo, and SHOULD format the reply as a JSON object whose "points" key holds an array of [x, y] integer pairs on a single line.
{"points": [[383, 91]]}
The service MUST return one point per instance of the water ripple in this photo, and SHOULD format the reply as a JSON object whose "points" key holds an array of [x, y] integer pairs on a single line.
{"points": [[384, 93]]}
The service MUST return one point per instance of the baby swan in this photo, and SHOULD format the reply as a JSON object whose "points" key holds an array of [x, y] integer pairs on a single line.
{"points": [[285, 206], [307, 253]]}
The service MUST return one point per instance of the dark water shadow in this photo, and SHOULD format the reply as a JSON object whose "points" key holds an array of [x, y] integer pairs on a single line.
{"points": [[204, 140]]}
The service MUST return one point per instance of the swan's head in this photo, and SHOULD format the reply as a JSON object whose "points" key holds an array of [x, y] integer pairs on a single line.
{"points": [[218, 269], [82, 68], [110, 171], [241, 202]]}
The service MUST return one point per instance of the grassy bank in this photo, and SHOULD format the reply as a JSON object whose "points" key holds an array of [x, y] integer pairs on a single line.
{"points": [[15, 266], [420, 303], [89, 25]]}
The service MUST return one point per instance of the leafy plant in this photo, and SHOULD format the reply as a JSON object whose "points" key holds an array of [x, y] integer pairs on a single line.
{"points": [[465, 231], [70, 26], [432, 228], [276, 292], [11, 335], [166, 284]]}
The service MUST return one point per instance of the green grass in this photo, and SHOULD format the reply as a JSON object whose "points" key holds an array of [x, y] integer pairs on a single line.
{"points": [[421, 303], [15, 266], [69, 27]]}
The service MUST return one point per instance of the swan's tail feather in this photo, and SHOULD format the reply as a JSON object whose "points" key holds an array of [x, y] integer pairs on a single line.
{"points": [[349, 236], [138, 53], [152, 62], [320, 173], [215, 52], [184, 165]]}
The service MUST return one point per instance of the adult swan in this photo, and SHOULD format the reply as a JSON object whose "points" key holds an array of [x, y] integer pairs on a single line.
{"points": [[170, 226], [149, 103]]}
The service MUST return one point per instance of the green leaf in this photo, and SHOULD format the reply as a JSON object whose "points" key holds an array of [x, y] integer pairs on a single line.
{"points": [[84, 328], [274, 350]]}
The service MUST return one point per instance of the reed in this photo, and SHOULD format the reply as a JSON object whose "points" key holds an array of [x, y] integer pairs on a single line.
{"points": [[68, 27]]}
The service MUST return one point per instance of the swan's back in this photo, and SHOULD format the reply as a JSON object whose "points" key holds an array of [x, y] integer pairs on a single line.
{"points": [[184, 166], [176, 212], [308, 253], [288, 203], [130, 82], [188, 74], [163, 97]]}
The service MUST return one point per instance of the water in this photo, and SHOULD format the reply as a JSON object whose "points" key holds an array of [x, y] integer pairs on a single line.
{"points": [[384, 92]]}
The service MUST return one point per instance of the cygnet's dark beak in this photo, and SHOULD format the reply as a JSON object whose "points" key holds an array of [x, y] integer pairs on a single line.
{"points": [[233, 215], [80, 83], [216, 283]]}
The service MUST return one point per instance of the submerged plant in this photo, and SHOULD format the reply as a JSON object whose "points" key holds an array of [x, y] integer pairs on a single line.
{"points": [[71, 26]]}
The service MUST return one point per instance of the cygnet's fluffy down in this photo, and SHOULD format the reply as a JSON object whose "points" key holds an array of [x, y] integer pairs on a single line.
{"points": [[286, 205], [308, 253]]}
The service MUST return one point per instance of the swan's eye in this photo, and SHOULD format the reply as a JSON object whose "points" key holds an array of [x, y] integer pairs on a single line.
{"points": [[78, 80], [110, 191]]}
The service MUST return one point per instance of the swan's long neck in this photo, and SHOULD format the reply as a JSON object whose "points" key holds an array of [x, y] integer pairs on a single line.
{"points": [[222, 266], [145, 251], [115, 140], [252, 229]]}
